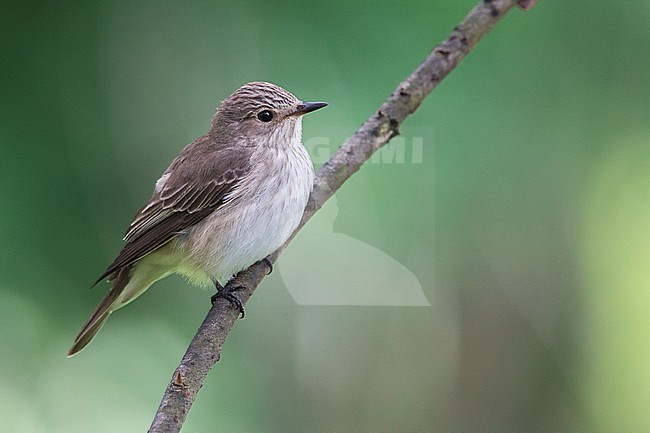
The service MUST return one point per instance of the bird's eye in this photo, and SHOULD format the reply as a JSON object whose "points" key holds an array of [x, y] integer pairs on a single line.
{"points": [[265, 115]]}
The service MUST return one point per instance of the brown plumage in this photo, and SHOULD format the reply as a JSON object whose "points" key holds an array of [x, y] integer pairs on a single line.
{"points": [[229, 199]]}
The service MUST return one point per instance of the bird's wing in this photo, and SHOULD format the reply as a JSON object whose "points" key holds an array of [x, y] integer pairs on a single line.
{"points": [[198, 182]]}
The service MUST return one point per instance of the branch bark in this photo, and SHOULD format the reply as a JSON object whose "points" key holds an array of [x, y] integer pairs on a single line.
{"points": [[205, 349]]}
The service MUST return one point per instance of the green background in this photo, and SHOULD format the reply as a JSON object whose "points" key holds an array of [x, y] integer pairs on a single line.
{"points": [[527, 221]]}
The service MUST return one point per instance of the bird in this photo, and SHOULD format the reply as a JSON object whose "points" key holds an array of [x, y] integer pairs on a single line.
{"points": [[228, 200]]}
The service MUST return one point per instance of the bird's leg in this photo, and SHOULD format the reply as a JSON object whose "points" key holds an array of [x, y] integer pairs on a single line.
{"points": [[228, 293], [268, 263]]}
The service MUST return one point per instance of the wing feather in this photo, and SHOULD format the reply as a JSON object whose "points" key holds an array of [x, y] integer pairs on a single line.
{"points": [[195, 185]]}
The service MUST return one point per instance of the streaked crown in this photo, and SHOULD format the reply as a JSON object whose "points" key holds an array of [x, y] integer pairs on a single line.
{"points": [[249, 99]]}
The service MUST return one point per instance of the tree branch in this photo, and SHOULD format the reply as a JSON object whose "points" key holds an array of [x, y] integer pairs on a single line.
{"points": [[205, 349]]}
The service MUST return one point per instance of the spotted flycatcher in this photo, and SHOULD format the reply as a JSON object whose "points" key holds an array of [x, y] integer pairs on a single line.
{"points": [[230, 199]]}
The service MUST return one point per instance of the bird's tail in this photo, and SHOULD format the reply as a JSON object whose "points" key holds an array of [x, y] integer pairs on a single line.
{"points": [[105, 308]]}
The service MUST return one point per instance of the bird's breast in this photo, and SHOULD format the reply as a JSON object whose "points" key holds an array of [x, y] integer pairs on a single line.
{"points": [[259, 216]]}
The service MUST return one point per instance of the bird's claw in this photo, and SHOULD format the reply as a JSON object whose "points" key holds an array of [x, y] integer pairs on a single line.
{"points": [[268, 263], [229, 295]]}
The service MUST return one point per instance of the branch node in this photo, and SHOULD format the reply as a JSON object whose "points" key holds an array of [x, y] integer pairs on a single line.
{"points": [[526, 4], [394, 127], [443, 51], [178, 380], [493, 10], [459, 34]]}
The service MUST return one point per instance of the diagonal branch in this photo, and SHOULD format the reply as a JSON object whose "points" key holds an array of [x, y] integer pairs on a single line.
{"points": [[205, 349]]}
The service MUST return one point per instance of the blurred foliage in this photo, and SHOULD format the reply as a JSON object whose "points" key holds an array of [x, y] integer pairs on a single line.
{"points": [[527, 221]]}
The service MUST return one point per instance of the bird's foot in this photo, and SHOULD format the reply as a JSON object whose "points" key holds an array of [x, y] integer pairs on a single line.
{"points": [[228, 293], [268, 263]]}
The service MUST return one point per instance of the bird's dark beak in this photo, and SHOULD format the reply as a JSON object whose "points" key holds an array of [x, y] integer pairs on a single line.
{"points": [[308, 107]]}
